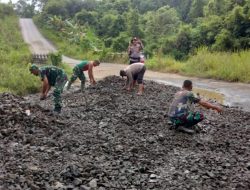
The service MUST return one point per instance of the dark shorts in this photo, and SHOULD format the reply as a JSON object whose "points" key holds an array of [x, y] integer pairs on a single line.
{"points": [[188, 120], [139, 76]]}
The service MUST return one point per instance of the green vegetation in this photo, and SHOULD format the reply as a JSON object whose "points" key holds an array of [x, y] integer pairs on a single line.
{"points": [[68, 48], [233, 67], [14, 56], [173, 32], [56, 60]]}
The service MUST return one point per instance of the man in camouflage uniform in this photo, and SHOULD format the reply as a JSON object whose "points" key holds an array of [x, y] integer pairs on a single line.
{"points": [[51, 76], [78, 72], [181, 112]]}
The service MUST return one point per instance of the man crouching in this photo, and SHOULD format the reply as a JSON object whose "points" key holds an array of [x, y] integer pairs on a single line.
{"points": [[180, 112]]}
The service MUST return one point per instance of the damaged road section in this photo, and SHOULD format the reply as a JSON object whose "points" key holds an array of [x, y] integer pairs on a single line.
{"points": [[107, 138]]}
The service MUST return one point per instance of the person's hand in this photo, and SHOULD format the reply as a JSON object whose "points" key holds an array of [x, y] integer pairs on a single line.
{"points": [[218, 109], [128, 89]]}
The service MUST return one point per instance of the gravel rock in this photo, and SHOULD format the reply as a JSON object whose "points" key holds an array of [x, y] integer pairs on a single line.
{"points": [[106, 138]]}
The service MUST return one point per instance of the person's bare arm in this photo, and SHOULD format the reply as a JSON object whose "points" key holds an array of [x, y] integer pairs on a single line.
{"points": [[129, 49], [45, 88], [141, 45], [90, 72], [210, 106]]}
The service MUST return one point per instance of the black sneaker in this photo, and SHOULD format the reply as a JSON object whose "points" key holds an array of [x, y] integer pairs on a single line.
{"points": [[185, 130]]}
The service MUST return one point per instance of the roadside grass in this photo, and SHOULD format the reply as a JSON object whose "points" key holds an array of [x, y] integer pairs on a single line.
{"points": [[233, 67], [14, 59], [164, 64]]}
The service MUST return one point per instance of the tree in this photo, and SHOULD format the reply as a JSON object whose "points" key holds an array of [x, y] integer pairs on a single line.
{"points": [[107, 26], [25, 9], [208, 28], [73, 6], [6, 10], [224, 41], [164, 21], [90, 5], [121, 6], [133, 26], [120, 44], [54, 7], [215, 7], [238, 22], [196, 9], [86, 17]]}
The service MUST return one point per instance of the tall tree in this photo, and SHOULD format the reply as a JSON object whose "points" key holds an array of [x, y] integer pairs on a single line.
{"points": [[133, 24], [215, 7], [54, 7], [164, 21], [196, 10], [25, 9]]}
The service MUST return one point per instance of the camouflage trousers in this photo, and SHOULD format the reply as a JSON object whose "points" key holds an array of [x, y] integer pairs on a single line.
{"points": [[187, 120], [59, 85], [77, 73]]}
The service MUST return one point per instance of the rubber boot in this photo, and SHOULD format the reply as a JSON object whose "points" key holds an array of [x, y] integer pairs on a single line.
{"points": [[141, 88], [82, 86], [57, 110], [69, 85]]}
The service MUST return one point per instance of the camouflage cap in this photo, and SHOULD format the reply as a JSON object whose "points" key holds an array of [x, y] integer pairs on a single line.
{"points": [[33, 67]]}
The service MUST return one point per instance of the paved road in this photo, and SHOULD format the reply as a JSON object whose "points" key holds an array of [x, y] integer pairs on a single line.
{"points": [[38, 44], [233, 94]]}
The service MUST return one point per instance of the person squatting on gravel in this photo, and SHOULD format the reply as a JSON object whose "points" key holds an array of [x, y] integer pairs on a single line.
{"points": [[51, 76], [181, 110], [134, 72], [78, 72]]}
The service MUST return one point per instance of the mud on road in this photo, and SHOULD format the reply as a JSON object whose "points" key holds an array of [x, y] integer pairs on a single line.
{"points": [[109, 139]]}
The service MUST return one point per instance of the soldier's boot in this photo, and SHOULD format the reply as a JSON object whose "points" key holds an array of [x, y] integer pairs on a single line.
{"points": [[82, 85], [69, 85]]}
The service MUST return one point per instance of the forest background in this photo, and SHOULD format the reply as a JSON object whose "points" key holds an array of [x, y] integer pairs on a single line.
{"points": [[204, 38]]}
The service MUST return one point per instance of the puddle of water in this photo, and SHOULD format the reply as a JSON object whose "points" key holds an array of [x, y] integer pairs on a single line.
{"points": [[204, 93], [207, 94]]}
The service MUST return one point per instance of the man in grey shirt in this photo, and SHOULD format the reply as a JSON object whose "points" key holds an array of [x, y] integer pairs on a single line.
{"points": [[134, 72]]}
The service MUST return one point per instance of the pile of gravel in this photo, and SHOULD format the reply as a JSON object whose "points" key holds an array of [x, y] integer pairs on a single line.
{"points": [[107, 138]]}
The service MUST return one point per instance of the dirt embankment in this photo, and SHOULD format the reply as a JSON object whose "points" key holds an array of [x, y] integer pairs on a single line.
{"points": [[109, 139]]}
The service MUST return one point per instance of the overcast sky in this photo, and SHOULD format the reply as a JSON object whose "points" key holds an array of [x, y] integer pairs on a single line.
{"points": [[6, 1]]}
